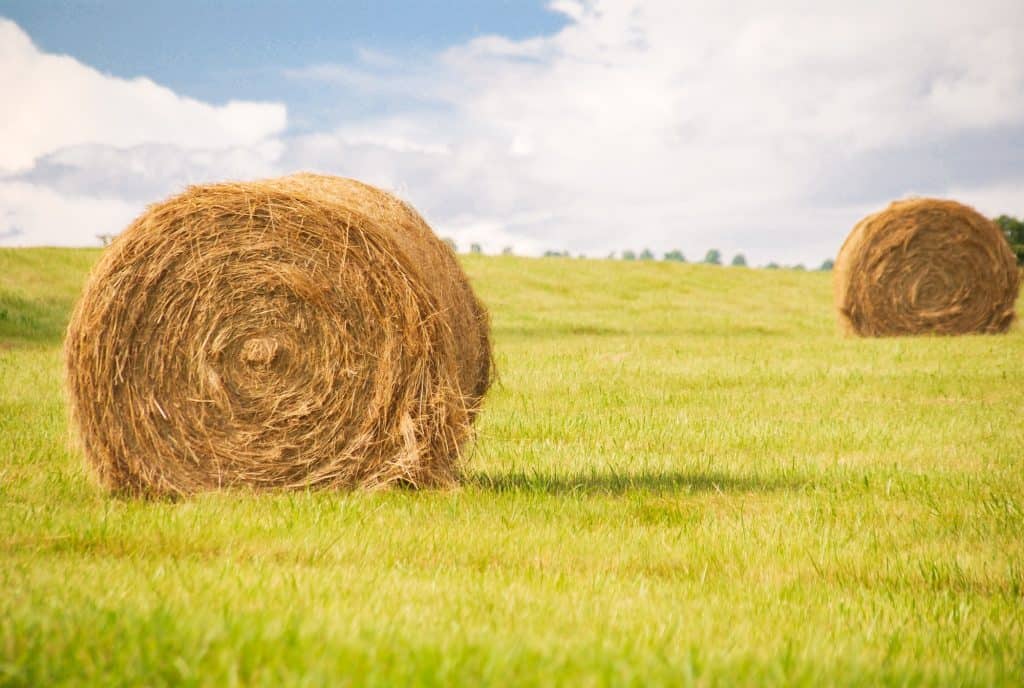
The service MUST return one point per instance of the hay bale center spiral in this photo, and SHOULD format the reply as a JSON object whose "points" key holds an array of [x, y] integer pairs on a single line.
{"points": [[307, 331], [925, 266]]}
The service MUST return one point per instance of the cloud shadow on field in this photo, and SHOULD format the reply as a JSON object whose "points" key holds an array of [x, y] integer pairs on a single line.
{"points": [[32, 320], [611, 483]]}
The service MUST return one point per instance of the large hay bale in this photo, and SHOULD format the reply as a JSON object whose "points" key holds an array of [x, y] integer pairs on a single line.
{"points": [[925, 266], [307, 331]]}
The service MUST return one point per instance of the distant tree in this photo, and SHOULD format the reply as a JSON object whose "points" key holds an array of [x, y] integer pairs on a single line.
{"points": [[451, 244], [827, 265], [739, 261], [628, 255], [556, 254], [713, 257], [105, 239], [772, 266], [476, 248], [1014, 231], [675, 255], [646, 254], [799, 266], [507, 251]]}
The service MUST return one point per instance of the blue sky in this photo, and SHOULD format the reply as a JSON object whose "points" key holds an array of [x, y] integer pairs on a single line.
{"points": [[222, 50], [588, 125]]}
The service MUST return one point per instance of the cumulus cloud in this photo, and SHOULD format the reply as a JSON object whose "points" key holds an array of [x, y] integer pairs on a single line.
{"points": [[74, 195], [768, 128], [60, 102], [740, 125], [82, 152], [37, 215], [145, 172]]}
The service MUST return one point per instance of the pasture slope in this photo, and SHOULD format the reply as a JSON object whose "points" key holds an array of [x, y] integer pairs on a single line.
{"points": [[684, 476]]}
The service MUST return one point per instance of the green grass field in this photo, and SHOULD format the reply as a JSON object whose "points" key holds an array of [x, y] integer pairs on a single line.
{"points": [[683, 476]]}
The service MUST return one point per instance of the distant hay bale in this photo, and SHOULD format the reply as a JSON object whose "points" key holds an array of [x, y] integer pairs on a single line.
{"points": [[291, 333], [925, 266]]}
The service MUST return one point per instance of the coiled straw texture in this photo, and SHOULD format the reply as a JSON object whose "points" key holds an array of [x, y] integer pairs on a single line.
{"points": [[291, 333], [925, 266]]}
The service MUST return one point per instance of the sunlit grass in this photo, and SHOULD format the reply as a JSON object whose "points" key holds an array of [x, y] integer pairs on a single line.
{"points": [[684, 475]]}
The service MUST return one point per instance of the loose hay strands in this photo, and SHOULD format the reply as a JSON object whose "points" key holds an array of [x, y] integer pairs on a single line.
{"points": [[307, 331], [925, 266]]}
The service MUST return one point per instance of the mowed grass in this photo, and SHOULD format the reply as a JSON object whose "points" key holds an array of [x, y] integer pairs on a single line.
{"points": [[683, 476]]}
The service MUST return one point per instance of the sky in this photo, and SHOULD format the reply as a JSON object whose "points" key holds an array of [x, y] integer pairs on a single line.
{"points": [[593, 127]]}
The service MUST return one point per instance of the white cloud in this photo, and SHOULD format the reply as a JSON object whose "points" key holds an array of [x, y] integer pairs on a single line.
{"points": [[148, 172], [992, 198], [763, 128], [82, 152], [54, 101], [740, 125], [36, 215]]}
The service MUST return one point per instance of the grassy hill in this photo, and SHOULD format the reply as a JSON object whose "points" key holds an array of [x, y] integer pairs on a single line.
{"points": [[683, 476]]}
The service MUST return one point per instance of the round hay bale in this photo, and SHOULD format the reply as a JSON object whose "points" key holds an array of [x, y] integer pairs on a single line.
{"points": [[307, 331], [925, 266]]}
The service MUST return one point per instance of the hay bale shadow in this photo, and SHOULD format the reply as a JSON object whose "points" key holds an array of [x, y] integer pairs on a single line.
{"points": [[595, 483]]}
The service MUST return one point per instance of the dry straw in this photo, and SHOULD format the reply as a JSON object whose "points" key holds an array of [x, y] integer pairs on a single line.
{"points": [[925, 266], [300, 332]]}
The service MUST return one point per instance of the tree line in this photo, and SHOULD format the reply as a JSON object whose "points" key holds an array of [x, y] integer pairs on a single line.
{"points": [[712, 257], [1012, 227]]}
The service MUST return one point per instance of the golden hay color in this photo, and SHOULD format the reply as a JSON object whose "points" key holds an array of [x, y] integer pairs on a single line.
{"points": [[925, 266], [300, 332]]}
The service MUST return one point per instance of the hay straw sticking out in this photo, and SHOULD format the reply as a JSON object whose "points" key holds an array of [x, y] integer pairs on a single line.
{"points": [[307, 331], [925, 266]]}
